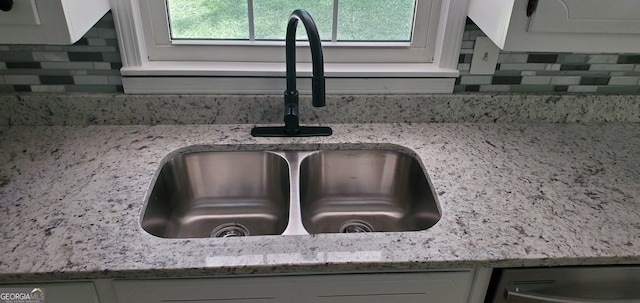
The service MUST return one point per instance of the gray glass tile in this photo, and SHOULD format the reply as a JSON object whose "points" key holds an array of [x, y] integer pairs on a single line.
{"points": [[506, 80], [619, 89], [48, 88], [626, 59], [602, 59], [56, 79], [512, 58], [565, 80], [582, 88], [572, 58], [23, 65], [91, 88], [532, 88], [21, 79], [50, 56], [16, 56], [594, 81], [574, 67], [536, 80], [624, 80], [542, 58], [85, 56]]}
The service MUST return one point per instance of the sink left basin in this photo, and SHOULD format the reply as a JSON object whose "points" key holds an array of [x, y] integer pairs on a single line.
{"points": [[219, 194]]}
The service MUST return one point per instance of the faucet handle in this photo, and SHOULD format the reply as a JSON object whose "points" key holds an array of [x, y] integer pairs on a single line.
{"points": [[318, 89]]}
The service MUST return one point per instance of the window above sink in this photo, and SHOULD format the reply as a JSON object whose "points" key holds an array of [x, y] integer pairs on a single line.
{"points": [[159, 60]]}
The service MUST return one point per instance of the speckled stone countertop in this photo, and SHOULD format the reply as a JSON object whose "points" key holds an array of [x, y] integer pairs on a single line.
{"points": [[513, 194]]}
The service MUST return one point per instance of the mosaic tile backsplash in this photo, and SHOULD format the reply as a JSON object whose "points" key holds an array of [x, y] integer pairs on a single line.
{"points": [[90, 65], [549, 72], [93, 64]]}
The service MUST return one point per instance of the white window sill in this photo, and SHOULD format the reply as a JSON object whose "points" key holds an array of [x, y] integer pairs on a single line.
{"points": [[268, 78], [266, 69], [144, 73]]}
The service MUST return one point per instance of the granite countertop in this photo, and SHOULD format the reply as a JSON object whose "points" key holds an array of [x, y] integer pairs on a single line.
{"points": [[511, 194]]}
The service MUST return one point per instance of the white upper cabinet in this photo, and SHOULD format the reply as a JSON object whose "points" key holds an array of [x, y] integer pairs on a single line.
{"points": [[49, 21], [560, 25], [586, 16]]}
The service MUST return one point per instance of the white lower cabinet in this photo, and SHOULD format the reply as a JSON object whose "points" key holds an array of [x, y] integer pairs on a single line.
{"points": [[64, 292], [450, 287], [406, 288]]}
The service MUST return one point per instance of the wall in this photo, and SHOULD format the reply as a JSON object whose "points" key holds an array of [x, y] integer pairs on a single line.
{"points": [[92, 65], [550, 72]]}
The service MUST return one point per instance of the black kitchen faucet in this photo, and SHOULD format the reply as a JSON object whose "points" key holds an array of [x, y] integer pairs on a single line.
{"points": [[292, 126]]}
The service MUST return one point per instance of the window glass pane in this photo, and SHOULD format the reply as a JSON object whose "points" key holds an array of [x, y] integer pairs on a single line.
{"points": [[271, 17], [208, 19], [378, 20], [358, 20]]}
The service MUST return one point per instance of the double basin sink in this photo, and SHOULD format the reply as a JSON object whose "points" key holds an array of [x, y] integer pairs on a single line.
{"points": [[251, 193]]}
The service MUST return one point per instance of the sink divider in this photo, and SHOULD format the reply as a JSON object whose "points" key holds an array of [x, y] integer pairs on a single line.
{"points": [[294, 159]]}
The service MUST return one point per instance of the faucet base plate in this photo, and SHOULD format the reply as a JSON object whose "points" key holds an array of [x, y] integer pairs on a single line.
{"points": [[280, 131]]}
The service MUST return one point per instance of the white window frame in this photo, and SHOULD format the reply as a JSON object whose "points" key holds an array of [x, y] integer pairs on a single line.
{"points": [[148, 69], [160, 46]]}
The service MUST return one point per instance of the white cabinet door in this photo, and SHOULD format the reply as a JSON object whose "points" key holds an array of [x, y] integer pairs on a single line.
{"points": [[50, 21], [67, 292], [560, 25], [587, 16], [450, 287], [204, 290]]}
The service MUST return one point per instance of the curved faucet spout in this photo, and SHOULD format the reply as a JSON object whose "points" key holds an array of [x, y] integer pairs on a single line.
{"points": [[317, 60]]}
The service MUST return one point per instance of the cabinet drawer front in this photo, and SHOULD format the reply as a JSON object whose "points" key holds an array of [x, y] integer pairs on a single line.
{"points": [[586, 16]]}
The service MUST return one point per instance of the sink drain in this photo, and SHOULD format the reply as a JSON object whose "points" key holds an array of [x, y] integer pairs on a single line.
{"points": [[356, 226], [229, 230]]}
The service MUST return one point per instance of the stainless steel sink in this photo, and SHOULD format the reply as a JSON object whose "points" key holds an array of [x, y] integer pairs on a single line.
{"points": [[249, 193], [364, 191], [219, 194]]}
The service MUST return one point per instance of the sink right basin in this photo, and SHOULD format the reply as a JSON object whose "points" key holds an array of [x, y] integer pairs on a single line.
{"points": [[365, 191]]}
